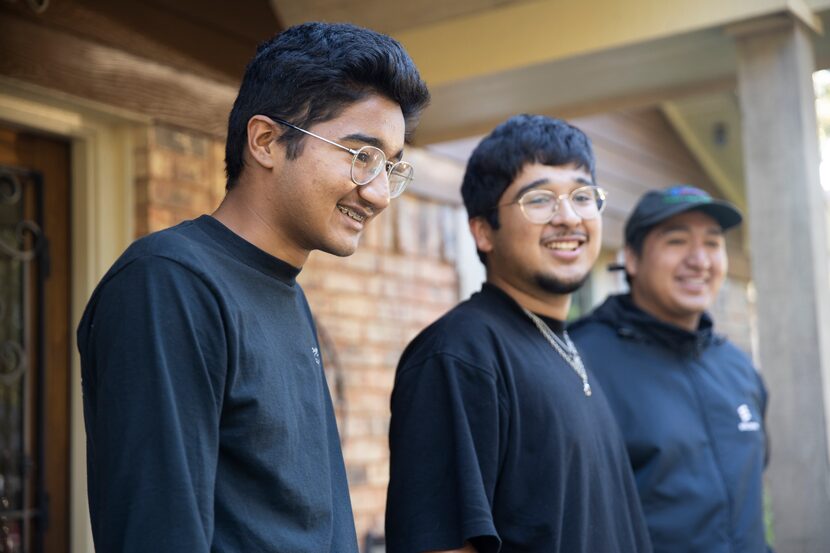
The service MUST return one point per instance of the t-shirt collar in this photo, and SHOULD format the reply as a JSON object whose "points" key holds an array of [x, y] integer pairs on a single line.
{"points": [[491, 290], [247, 252]]}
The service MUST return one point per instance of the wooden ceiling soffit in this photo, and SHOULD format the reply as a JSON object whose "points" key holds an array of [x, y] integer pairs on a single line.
{"points": [[211, 38], [436, 127], [382, 15], [77, 66]]}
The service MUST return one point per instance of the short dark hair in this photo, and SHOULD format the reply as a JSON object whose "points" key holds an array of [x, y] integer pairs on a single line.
{"points": [[519, 141], [310, 73]]}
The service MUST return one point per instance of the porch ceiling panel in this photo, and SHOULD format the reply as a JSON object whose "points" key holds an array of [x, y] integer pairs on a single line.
{"points": [[382, 15], [634, 76]]}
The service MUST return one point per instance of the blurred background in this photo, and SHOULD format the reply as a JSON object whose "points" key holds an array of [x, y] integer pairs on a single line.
{"points": [[112, 122]]}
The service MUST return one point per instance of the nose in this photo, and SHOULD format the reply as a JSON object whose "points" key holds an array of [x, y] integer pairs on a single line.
{"points": [[565, 214], [376, 192], [699, 258]]}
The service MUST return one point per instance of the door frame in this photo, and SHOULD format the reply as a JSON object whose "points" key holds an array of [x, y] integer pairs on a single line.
{"points": [[102, 181]]}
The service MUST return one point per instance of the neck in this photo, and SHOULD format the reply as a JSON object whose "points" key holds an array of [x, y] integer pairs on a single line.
{"points": [[686, 321], [244, 216], [555, 306]]}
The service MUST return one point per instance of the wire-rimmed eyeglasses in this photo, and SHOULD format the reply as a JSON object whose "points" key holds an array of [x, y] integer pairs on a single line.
{"points": [[539, 206], [367, 163]]}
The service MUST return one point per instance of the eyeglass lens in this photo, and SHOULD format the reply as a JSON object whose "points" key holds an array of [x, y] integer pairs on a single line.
{"points": [[539, 206], [370, 161]]}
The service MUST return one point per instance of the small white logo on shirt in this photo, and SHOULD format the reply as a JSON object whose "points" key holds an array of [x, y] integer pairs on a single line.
{"points": [[747, 424], [316, 353]]}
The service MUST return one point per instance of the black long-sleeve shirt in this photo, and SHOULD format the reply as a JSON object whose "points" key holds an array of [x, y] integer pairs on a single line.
{"points": [[209, 422]]}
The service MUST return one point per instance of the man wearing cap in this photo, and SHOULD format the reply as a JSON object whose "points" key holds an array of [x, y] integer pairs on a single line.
{"points": [[689, 402]]}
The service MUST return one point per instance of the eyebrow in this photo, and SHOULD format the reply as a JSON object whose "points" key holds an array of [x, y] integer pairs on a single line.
{"points": [[372, 141], [545, 180]]}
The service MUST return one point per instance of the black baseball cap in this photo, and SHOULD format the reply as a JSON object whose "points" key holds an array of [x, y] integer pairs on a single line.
{"points": [[655, 206]]}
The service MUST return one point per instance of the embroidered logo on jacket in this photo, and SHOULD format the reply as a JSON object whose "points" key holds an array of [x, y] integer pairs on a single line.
{"points": [[747, 424], [316, 353]]}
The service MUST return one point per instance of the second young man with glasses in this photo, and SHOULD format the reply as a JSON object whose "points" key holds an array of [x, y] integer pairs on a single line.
{"points": [[500, 438], [208, 418]]}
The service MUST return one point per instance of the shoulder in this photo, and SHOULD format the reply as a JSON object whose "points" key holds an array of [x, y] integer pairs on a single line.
{"points": [[185, 244], [727, 349], [726, 353], [604, 319], [467, 335], [151, 271], [182, 250], [592, 328]]}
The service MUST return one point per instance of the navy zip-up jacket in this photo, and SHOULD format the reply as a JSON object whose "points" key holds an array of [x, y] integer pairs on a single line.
{"points": [[691, 408]]}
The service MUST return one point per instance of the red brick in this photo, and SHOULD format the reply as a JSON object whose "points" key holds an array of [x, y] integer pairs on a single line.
{"points": [[159, 217], [367, 357], [369, 499], [379, 332], [366, 426], [378, 473], [366, 401], [364, 449], [378, 379], [350, 305], [178, 194], [341, 329]]}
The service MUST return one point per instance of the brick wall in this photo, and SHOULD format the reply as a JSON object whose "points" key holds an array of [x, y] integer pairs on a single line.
{"points": [[367, 306], [178, 175]]}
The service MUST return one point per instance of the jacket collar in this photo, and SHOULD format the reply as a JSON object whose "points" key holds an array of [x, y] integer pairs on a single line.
{"points": [[633, 323]]}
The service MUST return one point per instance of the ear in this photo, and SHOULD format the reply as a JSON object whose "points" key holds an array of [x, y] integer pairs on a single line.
{"points": [[632, 262], [262, 145], [482, 234]]}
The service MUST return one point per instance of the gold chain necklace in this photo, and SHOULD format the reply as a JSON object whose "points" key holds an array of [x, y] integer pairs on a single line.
{"points": [[567, 350]]}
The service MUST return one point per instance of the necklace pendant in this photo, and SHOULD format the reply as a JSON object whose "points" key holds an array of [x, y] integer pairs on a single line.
{"points": [[586, 388]]}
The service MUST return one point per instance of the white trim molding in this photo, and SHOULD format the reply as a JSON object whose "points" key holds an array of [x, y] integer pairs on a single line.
{"points": [[102, 210]]}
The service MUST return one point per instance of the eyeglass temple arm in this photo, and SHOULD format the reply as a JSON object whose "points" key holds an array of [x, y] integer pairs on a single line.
{"points": [[296, 128]]}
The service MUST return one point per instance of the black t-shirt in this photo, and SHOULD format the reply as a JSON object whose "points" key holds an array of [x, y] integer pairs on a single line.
{"points": [[494, 442], [209, 422]]}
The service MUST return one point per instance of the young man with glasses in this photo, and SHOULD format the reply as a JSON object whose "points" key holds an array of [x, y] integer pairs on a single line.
{"points": [[209, 422], [500, 438], [689, 403]]}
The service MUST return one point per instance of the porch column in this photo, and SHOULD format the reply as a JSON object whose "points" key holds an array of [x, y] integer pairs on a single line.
{"points": [[787, 222]]}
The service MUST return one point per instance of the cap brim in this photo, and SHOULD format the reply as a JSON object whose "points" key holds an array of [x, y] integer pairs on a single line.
{"points": [[722, 212]]}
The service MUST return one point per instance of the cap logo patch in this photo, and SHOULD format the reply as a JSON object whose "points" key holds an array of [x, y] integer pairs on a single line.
{"points": [[686, 195]]}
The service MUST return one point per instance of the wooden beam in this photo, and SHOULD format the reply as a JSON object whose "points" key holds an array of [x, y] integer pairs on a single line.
{"points": [[60, 61], [431, 132]]}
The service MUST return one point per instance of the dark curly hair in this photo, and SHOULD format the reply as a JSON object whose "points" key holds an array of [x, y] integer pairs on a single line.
{"points": [[521, 140], [310, 73]]}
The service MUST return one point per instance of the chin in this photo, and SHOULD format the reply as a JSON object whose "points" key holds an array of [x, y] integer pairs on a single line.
{"points": [[695, 307], [340, 250], [560, 285]]}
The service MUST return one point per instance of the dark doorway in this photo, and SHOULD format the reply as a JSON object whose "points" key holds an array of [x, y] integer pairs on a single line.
{"points": [[34, 342]]}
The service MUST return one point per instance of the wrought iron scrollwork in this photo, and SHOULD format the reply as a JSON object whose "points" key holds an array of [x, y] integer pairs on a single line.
{"points": [[11, 189], [22, 252], [23, 265], [37, 7], [11, 193], [12, 363]]}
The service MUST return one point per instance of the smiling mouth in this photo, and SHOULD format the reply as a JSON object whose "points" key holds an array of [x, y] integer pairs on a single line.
{"points": [[351, 213], [563, 245], [699, 281]]}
